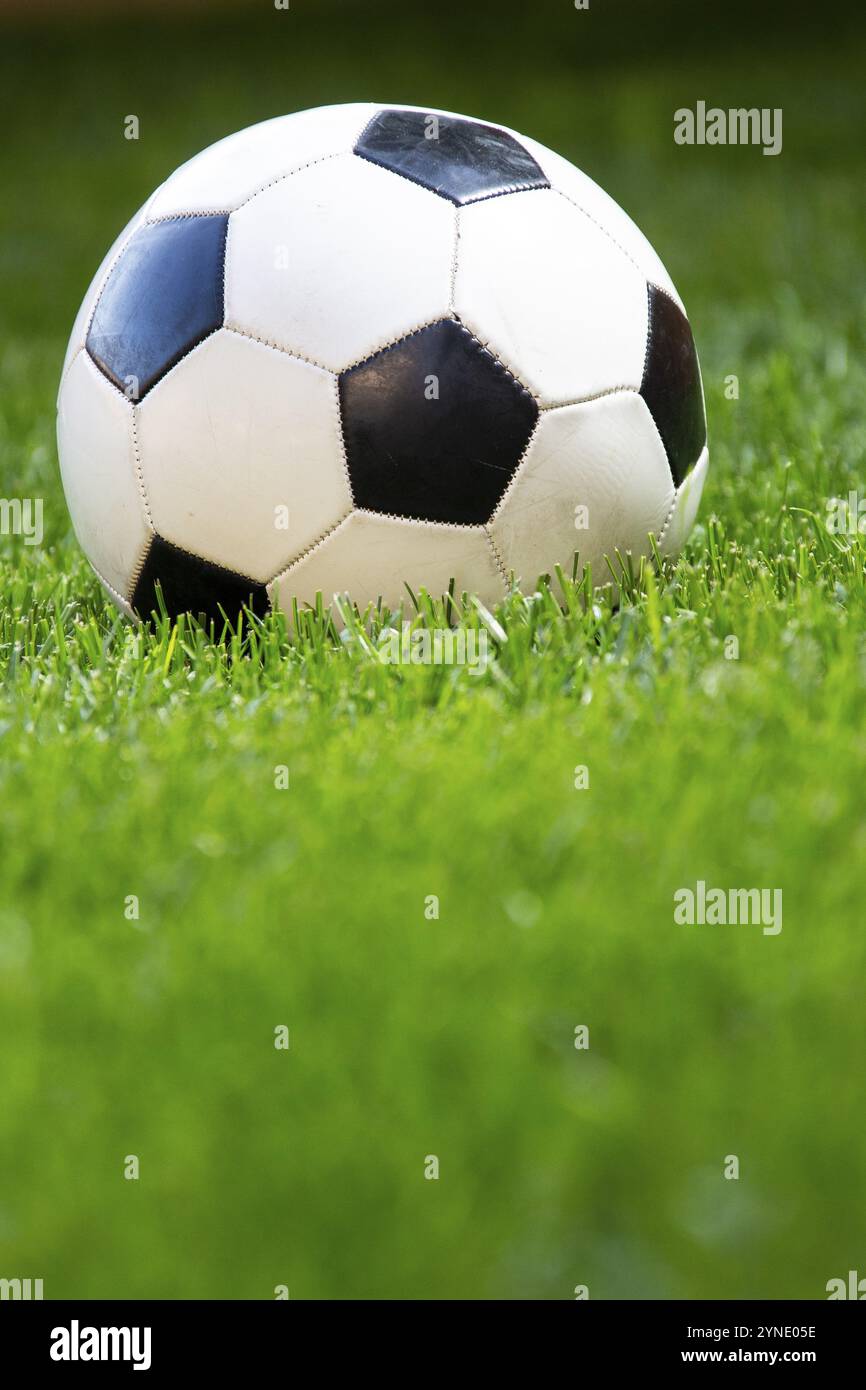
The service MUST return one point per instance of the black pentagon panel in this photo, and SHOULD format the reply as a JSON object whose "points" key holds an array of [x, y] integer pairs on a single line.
{"points": [[164, 295], [192, 585], [459, 159], [434, 427], [671, 384]]}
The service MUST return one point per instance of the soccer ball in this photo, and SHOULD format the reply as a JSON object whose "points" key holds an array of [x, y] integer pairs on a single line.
{"points": [[368, 347]]}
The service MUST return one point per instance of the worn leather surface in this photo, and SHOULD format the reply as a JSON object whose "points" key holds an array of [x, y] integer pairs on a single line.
{"points": [[459, 159], [164, 295]]}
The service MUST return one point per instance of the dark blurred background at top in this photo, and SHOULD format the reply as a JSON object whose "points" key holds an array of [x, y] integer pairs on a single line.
{"points": [[599, 85]]}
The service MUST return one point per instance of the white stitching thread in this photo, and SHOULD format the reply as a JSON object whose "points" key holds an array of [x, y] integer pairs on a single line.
{"points": [[649, 332], [111, 589], [465, 328], [399, 174], [278, 347], [497, 558], [308, 550], [512, 482], [103, 282], [335, 393], [73, 359], [139, 472], [586, 400], [663, 532], [169, 371], [601, 227], [182, 216], [491, 352], [320, 159], [206, 559], [453, 282], [394, 342], [689, 478], [446, 197], [420, 520], [139, 566]]}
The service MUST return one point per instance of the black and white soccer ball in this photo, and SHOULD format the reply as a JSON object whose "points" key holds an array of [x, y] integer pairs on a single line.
{"points": [[364, 347]]}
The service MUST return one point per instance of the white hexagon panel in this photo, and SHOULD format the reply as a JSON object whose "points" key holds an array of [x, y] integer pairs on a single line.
{"points": [[591, 471], [338, 261], [241, 455], [552, 295], [608, 216], [383, 554]]}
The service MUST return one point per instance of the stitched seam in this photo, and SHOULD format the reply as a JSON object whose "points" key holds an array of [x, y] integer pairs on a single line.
{"points": [[512, 482], [103, 371], [420, 520], [139, 566], [470, 333], [107, 276], [663, 532], [667, 294], [650, 324], [223, 269], [440, 193], [377, 110], [308, 550], [217, 564], [393, 342], [277, 347], [111, 589], [338, 411], [139, 473], [104, 281], [366, 126], [319, 159], [136, 228], [451, 317], [453, 282], [400, 174], [185, 216], [498, 560], [290, 173], [677, 491], [492, 352], [485, 347], [602, 228], [596, 396], [73, 359], [174, 362], [504, 192], [663, 446], [171, 367]]}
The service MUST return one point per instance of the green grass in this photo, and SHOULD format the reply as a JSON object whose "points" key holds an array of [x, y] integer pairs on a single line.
{"points": [[143, 763]]}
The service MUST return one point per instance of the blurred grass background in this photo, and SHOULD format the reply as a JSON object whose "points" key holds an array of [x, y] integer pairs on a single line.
{"points": [[149, 769]]}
